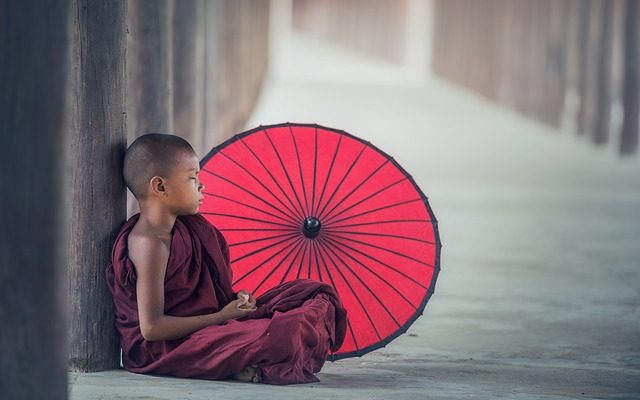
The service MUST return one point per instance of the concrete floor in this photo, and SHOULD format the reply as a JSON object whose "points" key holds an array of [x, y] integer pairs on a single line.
{"points": [[539, 294]]}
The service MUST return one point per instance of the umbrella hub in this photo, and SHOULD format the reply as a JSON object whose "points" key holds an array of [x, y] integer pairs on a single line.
{"points": [[311, 227]]}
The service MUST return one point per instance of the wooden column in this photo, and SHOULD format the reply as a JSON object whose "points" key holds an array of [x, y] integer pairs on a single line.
{"points": [[595, 82], [149, 72], [188, 71], [585, 64], [236, 41], [574, 65], [604, 90], [97, 133], [228, 94], [554, 79], [33, 340], [211, 42], [631, 89]]}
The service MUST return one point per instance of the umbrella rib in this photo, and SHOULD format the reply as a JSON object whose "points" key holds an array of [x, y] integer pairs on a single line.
{"points": [[292, 216], [374, 273], [293, 247], [346, 174], [316, 251], [318, 248], [376, 209], [363, 283], [315, 165], [247, 205], [272, 178], [381, 234], [259, 265], [383, 248], [365, 180], [365, 199], [286, 173], [248, 218], [291, 265], [306, 248], [355, 341], [309, 247], [245, 190], [304, 192], [380, 262], [259, 250], [381, 222], [333, 160], [350, 288], [265, 238]]}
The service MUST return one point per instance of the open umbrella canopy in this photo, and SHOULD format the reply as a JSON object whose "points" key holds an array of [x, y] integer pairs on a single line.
{"points": [[305, 201]]}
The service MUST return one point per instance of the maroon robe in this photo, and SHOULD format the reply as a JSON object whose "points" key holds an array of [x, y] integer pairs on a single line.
{"points": [[288, 336]]}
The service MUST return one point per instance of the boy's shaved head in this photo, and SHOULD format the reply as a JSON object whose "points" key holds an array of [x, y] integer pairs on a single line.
{"points": [[153, 154]]}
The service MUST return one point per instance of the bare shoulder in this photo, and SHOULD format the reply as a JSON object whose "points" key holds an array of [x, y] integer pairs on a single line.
{"points": [[148, 250]]}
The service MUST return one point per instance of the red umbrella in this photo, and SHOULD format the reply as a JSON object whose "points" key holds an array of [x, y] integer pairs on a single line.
{"points": [[305, 201]]}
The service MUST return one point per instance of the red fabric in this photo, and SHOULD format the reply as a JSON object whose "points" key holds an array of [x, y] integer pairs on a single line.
{"points": [[289, 336]]}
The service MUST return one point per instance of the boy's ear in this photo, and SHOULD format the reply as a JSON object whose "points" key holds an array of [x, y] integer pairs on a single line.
{"points": [[158, 186]]}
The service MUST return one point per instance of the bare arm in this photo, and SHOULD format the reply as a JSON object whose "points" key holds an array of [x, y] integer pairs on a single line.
{"points": [[149, 256]]}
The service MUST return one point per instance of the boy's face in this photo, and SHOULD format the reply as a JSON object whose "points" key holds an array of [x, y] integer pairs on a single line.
{"points": [[184, 190]]}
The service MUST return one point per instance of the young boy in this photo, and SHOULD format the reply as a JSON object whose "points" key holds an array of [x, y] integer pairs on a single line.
{"points": [[176, 311]]}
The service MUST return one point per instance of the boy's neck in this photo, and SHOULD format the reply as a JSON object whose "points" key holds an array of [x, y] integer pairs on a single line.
{"points": [[156, 219]]}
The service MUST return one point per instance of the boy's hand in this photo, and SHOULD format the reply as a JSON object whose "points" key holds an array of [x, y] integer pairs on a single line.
{"points": [[236, 309], [246, 299]]}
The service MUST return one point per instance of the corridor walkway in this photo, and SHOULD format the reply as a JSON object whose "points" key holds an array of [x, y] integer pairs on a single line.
{"points": [[539, 293]]}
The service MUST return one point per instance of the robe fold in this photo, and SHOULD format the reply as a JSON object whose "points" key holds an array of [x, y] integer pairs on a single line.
{"points": [[289, 336]]}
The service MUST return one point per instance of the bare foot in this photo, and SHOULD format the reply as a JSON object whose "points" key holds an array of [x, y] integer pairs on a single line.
{"points": [[249, 374]]}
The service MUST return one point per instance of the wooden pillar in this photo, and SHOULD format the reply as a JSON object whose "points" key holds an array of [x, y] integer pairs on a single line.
{"points": [[554, 78], [511, 59], [211, 42], [631, 89], [595, 101], [97, 133], [227, 95], [149, 72], [585, 60], [149, 68], [236, 41], [188, 71], [33, 340], [604, 90], [529, 92], [573, 66]]}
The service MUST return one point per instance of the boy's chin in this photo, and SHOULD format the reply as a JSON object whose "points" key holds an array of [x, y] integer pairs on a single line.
{"points": [[191, 212]]}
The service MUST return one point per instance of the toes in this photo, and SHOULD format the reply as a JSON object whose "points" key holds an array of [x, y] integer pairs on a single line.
{"points": [[246, 375], [256, 376]]}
